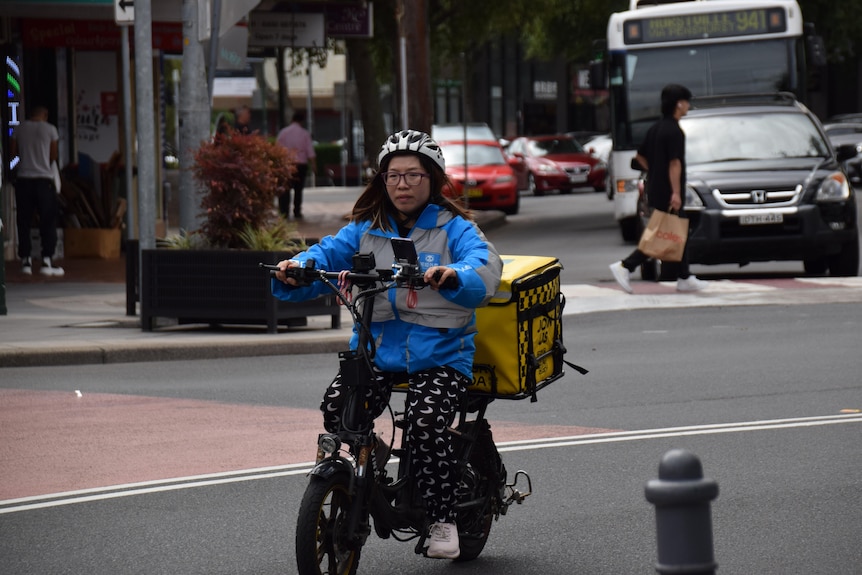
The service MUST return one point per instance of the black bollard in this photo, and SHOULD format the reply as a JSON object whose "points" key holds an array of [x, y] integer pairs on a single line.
{"points": [[681, 497]]}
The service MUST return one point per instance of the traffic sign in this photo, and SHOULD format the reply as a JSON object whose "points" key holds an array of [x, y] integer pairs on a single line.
{"points": [[124, 12]]}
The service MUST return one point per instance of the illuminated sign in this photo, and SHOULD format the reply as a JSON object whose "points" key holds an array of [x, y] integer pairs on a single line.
{"points": [[704, 26]]}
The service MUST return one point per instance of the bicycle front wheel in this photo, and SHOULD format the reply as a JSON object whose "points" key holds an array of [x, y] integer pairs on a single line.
{"points": [[322, 546]]}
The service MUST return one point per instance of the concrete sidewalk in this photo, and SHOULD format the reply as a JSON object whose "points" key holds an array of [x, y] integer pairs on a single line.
{"points": [[81, 317]]}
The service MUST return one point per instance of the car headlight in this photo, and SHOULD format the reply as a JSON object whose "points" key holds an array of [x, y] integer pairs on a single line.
{"points": [[547, 169], [692, 199], [600, 166], [503, 179], [834, 188]]}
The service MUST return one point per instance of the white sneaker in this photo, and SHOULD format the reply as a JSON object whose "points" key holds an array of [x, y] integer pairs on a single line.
{"points": [[443, 541], [691, 283], [26, 267], [622, 275], [49, 269]]}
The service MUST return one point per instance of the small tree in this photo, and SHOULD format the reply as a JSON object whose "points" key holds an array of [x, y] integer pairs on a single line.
{"points": [[243, 174]]}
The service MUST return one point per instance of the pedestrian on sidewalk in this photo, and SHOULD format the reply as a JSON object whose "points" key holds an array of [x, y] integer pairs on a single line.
{"points": [[298, 141], [35, 142], [242, 120], [662, 156]]}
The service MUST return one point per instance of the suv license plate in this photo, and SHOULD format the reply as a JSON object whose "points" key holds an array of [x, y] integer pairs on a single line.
{"points": [[756, 219]]}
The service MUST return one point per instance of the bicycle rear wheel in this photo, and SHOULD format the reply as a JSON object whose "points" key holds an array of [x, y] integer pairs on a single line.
{"points": [[322, 547], [483, 480]]}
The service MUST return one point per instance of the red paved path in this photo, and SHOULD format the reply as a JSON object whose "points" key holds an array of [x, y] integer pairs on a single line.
{"points": [[52, 442]]}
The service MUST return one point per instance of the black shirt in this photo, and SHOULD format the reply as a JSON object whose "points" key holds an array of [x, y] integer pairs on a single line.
{"points": [[664, 142]]}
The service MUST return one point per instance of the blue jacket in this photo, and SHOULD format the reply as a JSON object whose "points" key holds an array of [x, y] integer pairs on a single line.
{"points": [[440, 329]]}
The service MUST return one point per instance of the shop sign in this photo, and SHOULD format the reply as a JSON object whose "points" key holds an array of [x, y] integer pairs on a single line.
{"points": [[94, 35], [288, 30]]}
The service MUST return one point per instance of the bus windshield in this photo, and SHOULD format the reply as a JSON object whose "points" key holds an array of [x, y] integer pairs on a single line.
{"points": [[638, 76]]}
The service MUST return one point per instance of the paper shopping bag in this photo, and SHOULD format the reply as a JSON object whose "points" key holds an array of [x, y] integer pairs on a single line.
{"points": [[664, 237]]}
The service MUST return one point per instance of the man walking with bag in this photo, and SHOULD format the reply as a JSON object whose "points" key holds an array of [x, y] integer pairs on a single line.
{"points": [[662, 156]]}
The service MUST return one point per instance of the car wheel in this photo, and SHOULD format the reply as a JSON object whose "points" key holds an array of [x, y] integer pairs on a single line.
{"points": [[513, 209], [630, 229], [845, 264], [531, 185], [815, 267]]}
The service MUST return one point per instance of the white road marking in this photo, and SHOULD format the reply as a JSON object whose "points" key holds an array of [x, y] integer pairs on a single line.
{"points": [[175, 484]]}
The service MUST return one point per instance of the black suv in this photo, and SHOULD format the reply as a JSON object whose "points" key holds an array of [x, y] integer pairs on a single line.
{"points": [[764, 184]]}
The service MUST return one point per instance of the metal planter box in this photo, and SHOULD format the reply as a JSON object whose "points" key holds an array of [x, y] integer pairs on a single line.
{"points": [[219, 287]]}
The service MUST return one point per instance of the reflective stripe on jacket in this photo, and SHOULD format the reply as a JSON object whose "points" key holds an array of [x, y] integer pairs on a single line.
{"points": [[441, 328]]}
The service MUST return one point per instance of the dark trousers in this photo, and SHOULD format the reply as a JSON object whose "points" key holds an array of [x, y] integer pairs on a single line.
{"points": [[36, 195], [298, 183], [678, 269], [433, 399]]}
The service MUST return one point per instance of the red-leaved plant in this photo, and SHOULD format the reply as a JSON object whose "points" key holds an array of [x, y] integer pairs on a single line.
{"points": [[242, 175]]}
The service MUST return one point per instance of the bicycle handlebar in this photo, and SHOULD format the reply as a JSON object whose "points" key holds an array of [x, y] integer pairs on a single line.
{"points": [[309, 274]]}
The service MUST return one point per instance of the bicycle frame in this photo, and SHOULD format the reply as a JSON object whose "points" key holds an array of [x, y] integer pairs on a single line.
{"points": [[355, 458]]}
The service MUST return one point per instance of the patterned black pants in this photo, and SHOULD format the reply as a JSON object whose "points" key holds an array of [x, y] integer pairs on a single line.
{"points": [[433, 398]]}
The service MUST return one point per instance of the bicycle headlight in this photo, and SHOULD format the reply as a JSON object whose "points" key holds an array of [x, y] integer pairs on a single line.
{"points": [[328, 443], [833, 188]]}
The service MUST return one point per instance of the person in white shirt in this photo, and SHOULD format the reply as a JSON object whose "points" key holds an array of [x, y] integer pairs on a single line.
{"points": [[298, 141], [35, 141]]}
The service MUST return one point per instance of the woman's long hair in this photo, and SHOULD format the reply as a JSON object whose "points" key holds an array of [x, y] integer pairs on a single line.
{"points": [[375, 206]]}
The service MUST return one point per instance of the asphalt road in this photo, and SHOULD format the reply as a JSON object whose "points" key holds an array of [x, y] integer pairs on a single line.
{"points": [[789, 487], [197, 467]]}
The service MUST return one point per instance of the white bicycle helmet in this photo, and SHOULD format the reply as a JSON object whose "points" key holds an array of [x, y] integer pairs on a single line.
{"points": [[412, 141]]}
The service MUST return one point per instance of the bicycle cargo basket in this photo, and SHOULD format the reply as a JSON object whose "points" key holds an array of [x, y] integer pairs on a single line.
{"points": [[519, 346]]}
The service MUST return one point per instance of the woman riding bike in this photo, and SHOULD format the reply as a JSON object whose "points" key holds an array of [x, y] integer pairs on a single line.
{"points": [[424, 337]]}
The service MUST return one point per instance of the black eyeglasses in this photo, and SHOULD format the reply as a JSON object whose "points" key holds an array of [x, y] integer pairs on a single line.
{"points": [[412, 178]]}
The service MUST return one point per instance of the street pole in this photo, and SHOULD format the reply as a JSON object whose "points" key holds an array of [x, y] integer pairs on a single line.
{"points": [[131, 220], [194, 111], [145, 124], [214, 41]]}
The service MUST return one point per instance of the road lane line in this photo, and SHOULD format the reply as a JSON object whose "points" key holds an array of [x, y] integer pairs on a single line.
{"points": [[143, 488]]}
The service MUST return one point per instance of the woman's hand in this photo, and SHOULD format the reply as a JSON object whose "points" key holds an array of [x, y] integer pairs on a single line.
{"points": [[435, 276], [283, 265]]}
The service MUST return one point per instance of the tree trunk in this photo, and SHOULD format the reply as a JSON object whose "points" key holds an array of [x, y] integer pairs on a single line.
{"points": [[368, 93], [414, 26]]}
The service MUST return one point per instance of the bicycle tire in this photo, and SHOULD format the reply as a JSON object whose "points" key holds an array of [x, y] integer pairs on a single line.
{"points": [[321, 545]]}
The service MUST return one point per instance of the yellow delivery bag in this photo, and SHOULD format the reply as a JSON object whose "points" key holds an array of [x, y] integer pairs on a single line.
{"points": [[519, 345]]}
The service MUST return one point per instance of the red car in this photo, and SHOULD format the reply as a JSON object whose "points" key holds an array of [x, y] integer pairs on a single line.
{"points": [[487, 181], [555, 162]]}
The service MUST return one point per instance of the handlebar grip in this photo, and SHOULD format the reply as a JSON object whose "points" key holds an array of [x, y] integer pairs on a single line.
{"points": [[302, 276], [450, 283]]}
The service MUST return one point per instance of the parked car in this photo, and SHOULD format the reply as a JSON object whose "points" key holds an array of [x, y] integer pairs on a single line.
{"points": [[846, 138], [554, 162], [763, 184], [486, 181], [584, 136], [855, 117]]}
